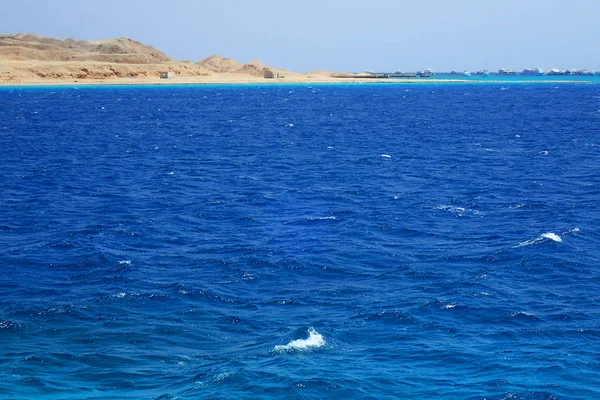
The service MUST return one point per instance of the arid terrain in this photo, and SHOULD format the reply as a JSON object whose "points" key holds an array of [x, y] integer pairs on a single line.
{"points": [[33, 59]]}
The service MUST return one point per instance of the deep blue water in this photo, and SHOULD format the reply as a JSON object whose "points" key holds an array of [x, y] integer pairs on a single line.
{"points": [[328, 241]]}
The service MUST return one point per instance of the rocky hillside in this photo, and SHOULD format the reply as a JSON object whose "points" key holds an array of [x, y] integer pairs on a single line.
{"points": [[28, 57], [219, 64], [26, 47]]}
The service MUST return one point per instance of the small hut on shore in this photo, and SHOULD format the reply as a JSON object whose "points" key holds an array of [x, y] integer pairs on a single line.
{"points": [[270, 74], [167, 75]]}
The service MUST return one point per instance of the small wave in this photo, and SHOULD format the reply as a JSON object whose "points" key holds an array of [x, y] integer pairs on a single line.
{"points": [[542, 238], [313, 220], [460, 211], [552, 236], [385, 156], [523, 316], [125, 262], [9, 325], [314, 341]]}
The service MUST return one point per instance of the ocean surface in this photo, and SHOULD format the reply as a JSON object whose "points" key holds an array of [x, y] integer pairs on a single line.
{"points": [[369, 241]]}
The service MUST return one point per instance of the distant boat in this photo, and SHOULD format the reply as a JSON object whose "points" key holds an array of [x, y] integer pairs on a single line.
{"points": [[504, 71], [555, 71], [426, 73], [533, 71]]}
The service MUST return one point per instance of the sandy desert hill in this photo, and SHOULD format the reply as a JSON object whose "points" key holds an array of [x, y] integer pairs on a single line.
{"points": [[220, 64], [30, 58], [24, 47]]}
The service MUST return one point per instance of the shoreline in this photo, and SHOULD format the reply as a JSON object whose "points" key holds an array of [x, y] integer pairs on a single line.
{"points": [[251, 80]]}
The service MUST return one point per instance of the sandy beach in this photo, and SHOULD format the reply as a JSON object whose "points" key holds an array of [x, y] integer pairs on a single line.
{"points": [[39, 73]]}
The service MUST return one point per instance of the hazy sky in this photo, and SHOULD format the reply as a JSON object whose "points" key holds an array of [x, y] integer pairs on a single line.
{"points": [[350, 35]]}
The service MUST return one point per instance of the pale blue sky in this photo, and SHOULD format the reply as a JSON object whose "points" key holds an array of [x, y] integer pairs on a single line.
{"points": [[383, 35]]}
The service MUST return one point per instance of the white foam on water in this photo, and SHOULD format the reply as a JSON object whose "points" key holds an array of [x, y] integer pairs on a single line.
{"points": [[552, 236], [314, 341], [385, 156], [460, 211], [312, 219], [125, 262], [542, 238]]}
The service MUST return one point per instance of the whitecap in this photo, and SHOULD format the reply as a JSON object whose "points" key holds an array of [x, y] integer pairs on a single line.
{"points": [[315, 219], [460, 211], [385, 156], [125, 262], [314, 341], [289, 125], [449, 306], [542, 238], [523, 314], [552, 236]]}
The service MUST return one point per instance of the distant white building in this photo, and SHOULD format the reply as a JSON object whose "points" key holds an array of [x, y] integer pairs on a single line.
{"points": [[167, 75]]}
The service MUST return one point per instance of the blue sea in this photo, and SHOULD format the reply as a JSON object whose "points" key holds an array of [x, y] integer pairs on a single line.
{"points": [[367, 241]]}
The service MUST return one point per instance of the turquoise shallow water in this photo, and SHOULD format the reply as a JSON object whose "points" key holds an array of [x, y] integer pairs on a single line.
{"points": [[328, 241], [518, 78]]}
